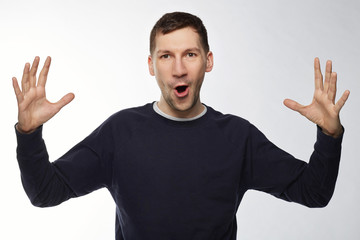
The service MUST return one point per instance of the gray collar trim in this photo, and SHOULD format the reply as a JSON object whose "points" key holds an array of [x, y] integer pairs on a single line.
{"points": [[158, 111]]}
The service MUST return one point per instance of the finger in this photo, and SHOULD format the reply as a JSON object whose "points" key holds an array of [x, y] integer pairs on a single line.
{"points": [[44, 72], [25, 78], [328, 71], [33, 71], [18, 93], [332, 87], [318, 75], [293, 105], [64, 100], [340, 103]]}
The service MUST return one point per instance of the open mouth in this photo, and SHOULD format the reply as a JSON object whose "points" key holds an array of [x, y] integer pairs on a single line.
{"points": [[181, 89]]}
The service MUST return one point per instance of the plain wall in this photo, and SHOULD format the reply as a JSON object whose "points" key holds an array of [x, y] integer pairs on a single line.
{"points": [[263, 53]]}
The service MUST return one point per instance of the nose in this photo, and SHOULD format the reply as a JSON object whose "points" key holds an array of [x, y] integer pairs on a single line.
{"points": [[179, 69]]}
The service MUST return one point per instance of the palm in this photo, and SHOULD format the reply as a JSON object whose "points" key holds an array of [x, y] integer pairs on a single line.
{"points": [[34, 109], [323, 110]]}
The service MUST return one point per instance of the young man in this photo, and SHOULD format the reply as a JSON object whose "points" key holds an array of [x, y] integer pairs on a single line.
{"points": [[177, 169]]}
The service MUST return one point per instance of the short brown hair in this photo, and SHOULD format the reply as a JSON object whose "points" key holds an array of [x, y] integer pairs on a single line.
{"points": [[178, 20]]}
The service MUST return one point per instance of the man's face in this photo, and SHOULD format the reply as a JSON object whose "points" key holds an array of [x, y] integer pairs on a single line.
{"points": [[179, 64]]}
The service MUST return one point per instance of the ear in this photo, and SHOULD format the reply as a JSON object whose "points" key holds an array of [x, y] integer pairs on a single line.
{"points": [[151, 66], [209, 61]]}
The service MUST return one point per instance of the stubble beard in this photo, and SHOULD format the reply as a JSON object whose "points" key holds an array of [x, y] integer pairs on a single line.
{"points": [[178, 107]]}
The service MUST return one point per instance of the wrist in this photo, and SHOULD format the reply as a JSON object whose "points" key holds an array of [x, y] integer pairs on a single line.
{"points": [[333, 134], [22, 130]]}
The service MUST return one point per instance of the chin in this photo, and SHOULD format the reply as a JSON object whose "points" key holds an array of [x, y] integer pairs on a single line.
{"points": [[185, 107]]}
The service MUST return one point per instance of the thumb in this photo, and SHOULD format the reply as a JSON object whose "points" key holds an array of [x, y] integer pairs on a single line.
{"points": [[293, 105], [65, 100]]}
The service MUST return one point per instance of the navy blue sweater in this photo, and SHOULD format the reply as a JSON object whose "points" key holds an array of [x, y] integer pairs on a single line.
{"points": [[177, 180]]}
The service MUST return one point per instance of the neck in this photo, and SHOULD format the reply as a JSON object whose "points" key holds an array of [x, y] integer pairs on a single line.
{"points": [[161, 113], [189, 112]]}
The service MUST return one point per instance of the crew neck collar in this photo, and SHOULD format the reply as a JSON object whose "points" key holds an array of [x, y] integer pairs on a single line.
{"points": [[161, 113]]}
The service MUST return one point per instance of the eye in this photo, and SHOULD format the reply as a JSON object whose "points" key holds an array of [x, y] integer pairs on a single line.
{"points": [[191, 54], [165, 56]]}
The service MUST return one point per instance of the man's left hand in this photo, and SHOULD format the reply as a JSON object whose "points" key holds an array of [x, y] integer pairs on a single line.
{"points": [[323, 110]]}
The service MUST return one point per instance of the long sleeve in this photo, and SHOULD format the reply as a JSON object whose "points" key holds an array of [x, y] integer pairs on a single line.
{"points": [[40, 180], [80, 171], [274, 171], [318, 179]]}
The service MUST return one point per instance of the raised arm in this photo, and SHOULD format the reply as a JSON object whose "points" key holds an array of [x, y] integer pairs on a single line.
{"points": [[323, 110], [43, 181], [33, 107]]}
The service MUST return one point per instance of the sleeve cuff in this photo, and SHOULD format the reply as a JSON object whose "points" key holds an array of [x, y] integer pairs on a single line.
{"points": [[29, 143], [327, 144]]}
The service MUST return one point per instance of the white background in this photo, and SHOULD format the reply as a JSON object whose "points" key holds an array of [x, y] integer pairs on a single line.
{"points": [[264, 53]]}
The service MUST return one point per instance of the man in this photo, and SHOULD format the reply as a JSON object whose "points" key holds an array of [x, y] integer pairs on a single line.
{"points": [[177, 169]]}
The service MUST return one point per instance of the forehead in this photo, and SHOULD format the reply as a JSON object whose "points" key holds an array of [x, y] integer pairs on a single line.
{"points": [[183, 38]]}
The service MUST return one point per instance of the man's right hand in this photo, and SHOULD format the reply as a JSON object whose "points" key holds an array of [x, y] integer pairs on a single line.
{"points": [[33, 107]]}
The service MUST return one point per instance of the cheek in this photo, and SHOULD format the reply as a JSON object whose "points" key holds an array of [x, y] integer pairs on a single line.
{"points": [[161, 80], [161, 71], [197, 71]]}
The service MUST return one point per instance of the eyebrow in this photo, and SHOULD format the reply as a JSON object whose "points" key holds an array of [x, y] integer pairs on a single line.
{"points": [[195, 49], [159, 52]]}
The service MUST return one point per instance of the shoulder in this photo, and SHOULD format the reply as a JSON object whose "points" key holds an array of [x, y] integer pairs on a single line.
{"points": [[125, 121], [131, 114], [235, 128], [228, 120]]}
